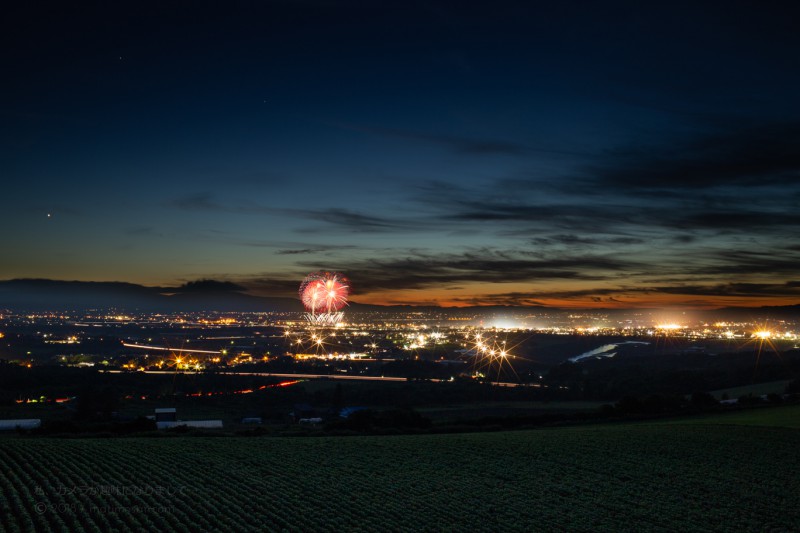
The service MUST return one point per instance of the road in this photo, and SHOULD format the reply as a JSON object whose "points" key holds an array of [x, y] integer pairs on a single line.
{"points": [[314, 376]]}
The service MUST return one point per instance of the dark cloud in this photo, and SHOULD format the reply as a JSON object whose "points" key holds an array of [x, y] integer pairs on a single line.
{"points": [[477, 146], [616, 294], [501, 205], [572, 216], [269, 285], [612, 223], [682, 191], [355, 221], [567, 294], [300, 251], [443, 271], [737, 220], [506, 298], [458, 145], [298, 248], [574, 240], [683, 238], [731, 289], [424, 271], [739, 263], [201, 201], [207, 201], [350, 220], [209, 285], [742, 154], [599, 215], [464, 145]]}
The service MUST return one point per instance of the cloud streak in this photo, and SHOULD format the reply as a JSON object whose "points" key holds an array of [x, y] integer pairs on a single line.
{"points": [[742, 155], [431, 271], [628, 293], [356, 221], [708, 215]]}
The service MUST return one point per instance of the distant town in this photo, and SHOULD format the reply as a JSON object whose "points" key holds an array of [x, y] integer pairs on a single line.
{"points": [[512, 348]]}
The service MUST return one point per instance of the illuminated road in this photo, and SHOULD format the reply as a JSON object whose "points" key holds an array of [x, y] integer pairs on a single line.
{"points": [[312, 376], [163, 349], [269, 374], [320, 376]]}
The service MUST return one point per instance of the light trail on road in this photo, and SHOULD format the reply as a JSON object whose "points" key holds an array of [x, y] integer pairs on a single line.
{"points": [[163, 349], [316, 376]]}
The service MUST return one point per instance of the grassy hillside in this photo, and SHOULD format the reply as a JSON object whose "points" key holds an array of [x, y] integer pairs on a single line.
{"points": [[696, 475], [757, 389]]}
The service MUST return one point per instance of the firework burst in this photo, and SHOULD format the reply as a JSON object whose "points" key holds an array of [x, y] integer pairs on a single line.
{"points": [[326, 293]]}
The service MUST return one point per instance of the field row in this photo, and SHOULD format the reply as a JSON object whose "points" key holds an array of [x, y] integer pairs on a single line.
{"points": [[613, 478]]}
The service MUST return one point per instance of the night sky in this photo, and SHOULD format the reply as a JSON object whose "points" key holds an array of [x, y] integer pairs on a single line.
{"points": [[563, 153]]}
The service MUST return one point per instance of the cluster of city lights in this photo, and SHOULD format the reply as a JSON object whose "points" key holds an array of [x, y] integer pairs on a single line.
{"points": [[491, 355]]}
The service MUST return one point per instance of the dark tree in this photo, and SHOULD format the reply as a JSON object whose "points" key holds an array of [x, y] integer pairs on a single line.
{"points": [[94, 404]]}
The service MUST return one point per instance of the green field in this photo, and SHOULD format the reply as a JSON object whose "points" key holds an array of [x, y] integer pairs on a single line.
{"points": [[757, 389], [689, 475], [775, 417], [474, 410]]}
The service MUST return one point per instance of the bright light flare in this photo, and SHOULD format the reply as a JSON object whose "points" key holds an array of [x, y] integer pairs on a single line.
{"points": [[491, 354]]}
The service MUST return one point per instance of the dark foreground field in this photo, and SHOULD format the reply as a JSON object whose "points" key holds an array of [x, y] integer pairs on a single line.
{"points": [[726, 473]]}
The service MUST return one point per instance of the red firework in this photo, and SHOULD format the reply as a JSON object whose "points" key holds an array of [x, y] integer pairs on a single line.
{"points": [[324, 291]]}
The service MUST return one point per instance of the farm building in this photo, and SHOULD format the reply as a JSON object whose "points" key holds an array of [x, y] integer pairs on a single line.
{"points": [[167, 417], [166, 414], [21, 423], [347, 411], [303, 410]]}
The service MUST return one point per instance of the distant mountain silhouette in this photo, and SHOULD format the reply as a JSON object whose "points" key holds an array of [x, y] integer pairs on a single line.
{"points": [[202, 295], [210, 285], [230, 301], [212, 295], [206, 295], [46, 294]]}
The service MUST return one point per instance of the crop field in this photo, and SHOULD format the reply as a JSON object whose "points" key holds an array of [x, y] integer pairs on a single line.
{"points": [[626, 477], [473, 410], [787, 416]]}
